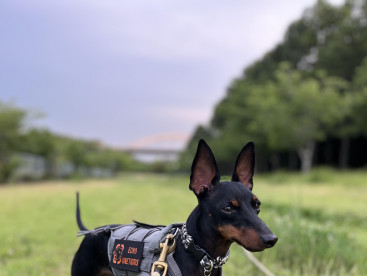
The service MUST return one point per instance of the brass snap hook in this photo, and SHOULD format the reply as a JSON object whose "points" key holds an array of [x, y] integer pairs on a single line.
{"points": [[161, 264]]}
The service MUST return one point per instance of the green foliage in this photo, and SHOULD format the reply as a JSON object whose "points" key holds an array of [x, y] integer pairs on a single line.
{"points": [[293, 111], [38, 141], [321, 174], [359, 100], [313, 244], [290, 112], [91, 154], [7, 169], [344, 46], [75, 152], [11, 124]]}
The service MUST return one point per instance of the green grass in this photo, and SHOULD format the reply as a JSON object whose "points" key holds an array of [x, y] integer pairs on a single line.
{"points": [[320, 220]]}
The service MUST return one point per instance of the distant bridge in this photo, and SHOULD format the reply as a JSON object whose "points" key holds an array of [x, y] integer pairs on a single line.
{"points": [[151, 155], [161, 147]]}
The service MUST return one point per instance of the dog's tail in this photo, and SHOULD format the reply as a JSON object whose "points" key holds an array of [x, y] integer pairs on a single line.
{"points": [[78, 218]]}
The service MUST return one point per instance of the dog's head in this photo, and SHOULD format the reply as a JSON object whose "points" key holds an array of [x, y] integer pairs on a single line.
{"points": [[230, 206]]}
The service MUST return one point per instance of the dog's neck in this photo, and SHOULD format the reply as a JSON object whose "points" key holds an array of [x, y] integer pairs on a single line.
{"points": [[206, 237]]}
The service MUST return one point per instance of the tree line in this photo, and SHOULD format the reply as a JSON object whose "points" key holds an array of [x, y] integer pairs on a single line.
{"points": [[61, 156], [305, 101]]}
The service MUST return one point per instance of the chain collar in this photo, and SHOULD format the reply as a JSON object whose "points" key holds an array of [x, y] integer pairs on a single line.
{"points": [[206, 261]]}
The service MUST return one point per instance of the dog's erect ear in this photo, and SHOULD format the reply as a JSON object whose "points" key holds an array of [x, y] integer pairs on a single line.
{"points": [[204, 170], [245, 165]]}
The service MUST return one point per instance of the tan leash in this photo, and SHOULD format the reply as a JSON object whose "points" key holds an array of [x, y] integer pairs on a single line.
{"points": [[257, 263]]}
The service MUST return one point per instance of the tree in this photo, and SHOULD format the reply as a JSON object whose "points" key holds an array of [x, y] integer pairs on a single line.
{"points": [[291, 112], [75, 152], [342, 51], [359, 101], [355, 112], [40, 142], [294, 112], [11, 123], [303, 41]]}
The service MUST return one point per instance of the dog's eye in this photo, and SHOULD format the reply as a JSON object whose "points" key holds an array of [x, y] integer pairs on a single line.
{"points": [[228, 209]]}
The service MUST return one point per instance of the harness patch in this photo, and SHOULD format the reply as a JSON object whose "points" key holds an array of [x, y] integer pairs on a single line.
{"points": [[127, 254]]}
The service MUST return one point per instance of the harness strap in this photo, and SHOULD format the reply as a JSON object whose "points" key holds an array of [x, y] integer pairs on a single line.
{"points": [[173, 268], [98, 230]]}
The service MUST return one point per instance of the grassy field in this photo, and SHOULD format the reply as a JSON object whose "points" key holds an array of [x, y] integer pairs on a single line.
{"points": [[320, 220]]}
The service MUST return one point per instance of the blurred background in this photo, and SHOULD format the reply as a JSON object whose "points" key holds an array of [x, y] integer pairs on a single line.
{"points": [[104, 89], [89, 87]]}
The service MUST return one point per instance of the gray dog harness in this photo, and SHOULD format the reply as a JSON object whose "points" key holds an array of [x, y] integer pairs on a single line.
{"points": [[135, 249]]}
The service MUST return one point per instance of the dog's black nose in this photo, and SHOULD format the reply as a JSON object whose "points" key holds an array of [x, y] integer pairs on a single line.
{"points": [[269, 240]]}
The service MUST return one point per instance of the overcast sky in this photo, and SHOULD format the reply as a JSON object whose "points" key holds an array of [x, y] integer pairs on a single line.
{"points": [[119, 71]]}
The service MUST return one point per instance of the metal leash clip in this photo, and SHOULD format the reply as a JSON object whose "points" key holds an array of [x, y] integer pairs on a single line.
{"points": [[161, 264]]}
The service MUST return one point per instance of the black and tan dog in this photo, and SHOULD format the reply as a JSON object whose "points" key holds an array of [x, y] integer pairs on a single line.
{"points": [[227, 212]]}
